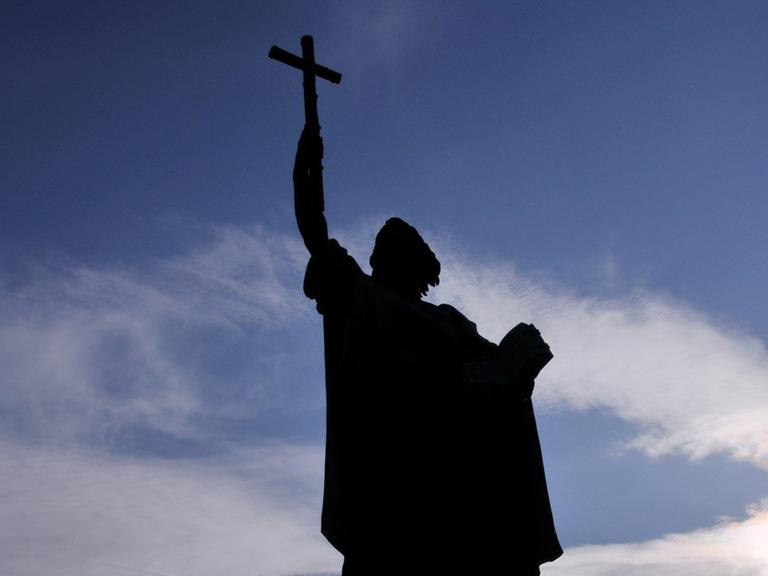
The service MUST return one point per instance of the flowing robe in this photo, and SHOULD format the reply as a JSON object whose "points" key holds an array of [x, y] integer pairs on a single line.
{"points": [[429, 452]]}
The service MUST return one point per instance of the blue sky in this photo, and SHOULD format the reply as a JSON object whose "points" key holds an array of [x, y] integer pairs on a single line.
{"points": [[597, 168]]}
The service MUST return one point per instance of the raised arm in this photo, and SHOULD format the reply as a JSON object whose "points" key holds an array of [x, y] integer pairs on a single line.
{"points": [[308, 190]]}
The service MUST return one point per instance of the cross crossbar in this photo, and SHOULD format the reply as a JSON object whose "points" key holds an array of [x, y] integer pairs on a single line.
{"points": [[310, 69], [277, 53]]}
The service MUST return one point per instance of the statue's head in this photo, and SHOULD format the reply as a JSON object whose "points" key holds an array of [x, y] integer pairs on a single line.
{"points": [[402, 261]]}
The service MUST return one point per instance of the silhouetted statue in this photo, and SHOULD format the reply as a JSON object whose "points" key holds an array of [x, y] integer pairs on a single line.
{"points": [[433, 463]]}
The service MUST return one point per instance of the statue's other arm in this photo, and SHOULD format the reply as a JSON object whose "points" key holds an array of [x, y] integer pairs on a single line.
{"points": [[524, 353], [308, 191]]}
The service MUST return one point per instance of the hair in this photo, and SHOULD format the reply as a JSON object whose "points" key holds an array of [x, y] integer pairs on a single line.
{"points": [[402, 260]]}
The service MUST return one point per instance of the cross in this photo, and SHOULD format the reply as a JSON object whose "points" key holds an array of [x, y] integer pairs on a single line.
{"points": [[307, 65]]}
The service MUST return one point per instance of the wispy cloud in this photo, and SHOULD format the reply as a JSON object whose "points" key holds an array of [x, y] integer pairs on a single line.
{"points": [[692, 386], [79, 512], [731, 548], [243, 277], [90, 351]]}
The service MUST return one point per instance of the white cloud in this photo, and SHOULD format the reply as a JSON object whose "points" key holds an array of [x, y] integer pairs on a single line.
{"points": [[731, 548], [87, 352], [90, 354], [65, 512], [243, 277], [58, 353], [693, 387]]}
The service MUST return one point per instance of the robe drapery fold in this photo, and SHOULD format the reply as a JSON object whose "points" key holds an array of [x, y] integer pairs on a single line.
{"points": [[424, 455]]}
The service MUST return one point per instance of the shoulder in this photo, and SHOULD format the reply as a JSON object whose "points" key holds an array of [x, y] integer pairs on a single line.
{"points": [[458, 318], [466, 329], [331, 270]]}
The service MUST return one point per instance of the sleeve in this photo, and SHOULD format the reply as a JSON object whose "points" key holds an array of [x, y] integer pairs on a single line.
{"points": [[484, 376], [332, 276]]}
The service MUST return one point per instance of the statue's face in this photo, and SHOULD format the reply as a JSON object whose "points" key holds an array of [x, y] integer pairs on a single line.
{"points": [[401, 284]]}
